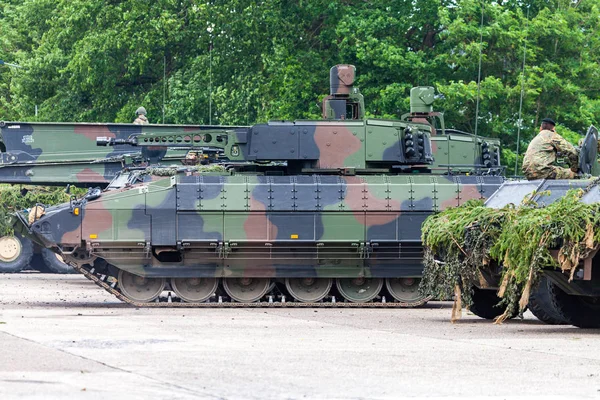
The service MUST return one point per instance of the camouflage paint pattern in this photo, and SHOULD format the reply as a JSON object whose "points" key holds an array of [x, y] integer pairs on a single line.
{"points": [[319, 145], [540, 158], [58, 153], [262, 226], [344, 197], [61, 153], [67, 153], [460, 152]]}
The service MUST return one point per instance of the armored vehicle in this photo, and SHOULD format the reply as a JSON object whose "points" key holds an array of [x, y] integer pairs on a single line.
{"points": [[58, 154], [323, 213], [66, 153], [568, 291], [44, 153]]}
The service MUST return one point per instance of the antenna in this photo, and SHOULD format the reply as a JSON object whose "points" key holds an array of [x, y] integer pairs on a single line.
{"points": [[164, 85], [478, 82], [209, 29], [520, 121], [210, 48]]}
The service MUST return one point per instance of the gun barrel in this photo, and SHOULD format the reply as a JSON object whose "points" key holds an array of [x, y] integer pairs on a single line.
{"points": [[104, 141]]}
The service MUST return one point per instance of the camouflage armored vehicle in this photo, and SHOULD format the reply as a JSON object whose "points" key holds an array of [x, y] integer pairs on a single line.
{"points": [[454, 151], [66, 153], [533, 243], [306, 212], [43, 153]]}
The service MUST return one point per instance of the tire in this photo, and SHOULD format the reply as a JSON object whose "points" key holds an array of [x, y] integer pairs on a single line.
{"points": [[22, 261], [37, 262], [542, 303], [581, 311], [54, 264], [485, 304]]}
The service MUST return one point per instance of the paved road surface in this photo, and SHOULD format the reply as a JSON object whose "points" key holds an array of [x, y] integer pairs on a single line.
{"points": [[61, 337]]}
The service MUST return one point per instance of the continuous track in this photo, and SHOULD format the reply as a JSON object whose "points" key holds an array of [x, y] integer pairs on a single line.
{"points": [[172, 302]]}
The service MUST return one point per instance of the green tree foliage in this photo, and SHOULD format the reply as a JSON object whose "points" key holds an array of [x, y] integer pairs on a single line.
{"points": [[98, 60], [18, 198]]}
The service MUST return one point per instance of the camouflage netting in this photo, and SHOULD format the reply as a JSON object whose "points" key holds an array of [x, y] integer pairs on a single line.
{"points": [[462, 242], [211, 168], [16, 198], [161, 171], [173, 170]]}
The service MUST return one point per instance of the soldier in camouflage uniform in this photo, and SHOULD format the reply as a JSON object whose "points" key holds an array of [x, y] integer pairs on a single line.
{"points": [[141, 117], [540, 158]]}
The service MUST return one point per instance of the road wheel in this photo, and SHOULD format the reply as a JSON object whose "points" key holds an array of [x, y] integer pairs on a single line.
{"points": [[485, 303], [308, 290], [55, 263], [359, 290], [542, 303], [246, 290], [140, 289], [15, 253], [406, 290]]}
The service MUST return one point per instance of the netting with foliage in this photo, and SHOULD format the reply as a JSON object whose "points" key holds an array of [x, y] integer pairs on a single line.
{"points": [[15, 198], [174, 170], [463, 243]]}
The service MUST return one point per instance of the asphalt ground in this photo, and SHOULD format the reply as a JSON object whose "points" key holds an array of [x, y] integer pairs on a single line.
{"points": [[62, 337]]}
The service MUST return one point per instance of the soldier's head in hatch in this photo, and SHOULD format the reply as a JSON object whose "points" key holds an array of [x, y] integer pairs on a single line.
{"points": [[547, 124]]}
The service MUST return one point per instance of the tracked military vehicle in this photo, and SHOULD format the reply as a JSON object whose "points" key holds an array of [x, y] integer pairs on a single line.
{"points": [[568, 289], [66, 153], [321, 213], [57, 154]]}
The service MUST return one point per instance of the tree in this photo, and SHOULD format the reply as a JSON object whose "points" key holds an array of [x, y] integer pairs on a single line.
{"points": [[99, 60]]}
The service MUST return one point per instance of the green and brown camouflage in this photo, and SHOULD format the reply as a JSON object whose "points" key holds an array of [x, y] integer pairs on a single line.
{"points": [[560, 283], [195, 225], [345, 143], [540, 158], [66, 153], [301, 203], [454, 151], [269, 226], [327, 147]]}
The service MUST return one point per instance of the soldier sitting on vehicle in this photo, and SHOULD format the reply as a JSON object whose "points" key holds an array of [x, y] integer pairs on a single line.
{"points": [[540, 158], [141, 117]]}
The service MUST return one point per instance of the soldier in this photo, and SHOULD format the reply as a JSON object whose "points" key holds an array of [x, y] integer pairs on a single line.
{"points": [[141, 117], [540, 158]]}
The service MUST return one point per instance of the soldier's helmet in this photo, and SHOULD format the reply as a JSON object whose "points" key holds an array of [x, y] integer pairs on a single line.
{"points": [[141, 111]]}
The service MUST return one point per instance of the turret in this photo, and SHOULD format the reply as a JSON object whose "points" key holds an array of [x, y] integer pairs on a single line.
{"points": [[325, 147], [345, 142]]}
